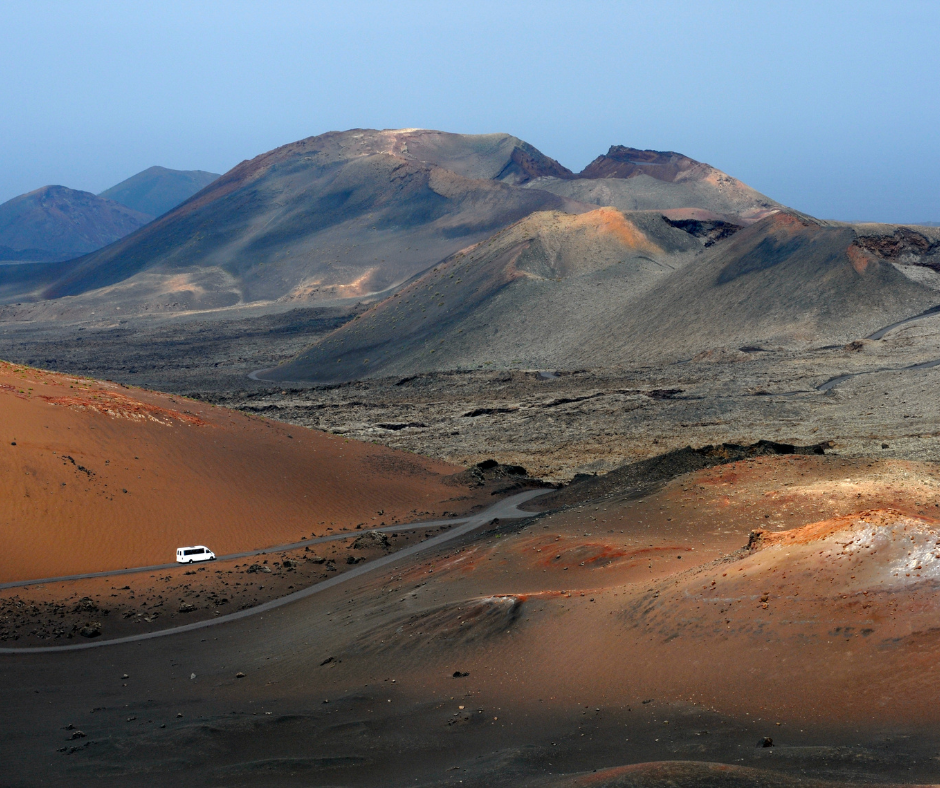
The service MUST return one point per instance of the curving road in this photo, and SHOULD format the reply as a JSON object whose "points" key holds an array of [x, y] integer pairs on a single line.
{"points": [[878, 335], [506, 509], [248, 554]]}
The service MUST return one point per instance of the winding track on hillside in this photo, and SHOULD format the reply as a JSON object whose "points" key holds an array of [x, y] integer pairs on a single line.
{"points": [[879, 335], [506, 509], [232, 556]]}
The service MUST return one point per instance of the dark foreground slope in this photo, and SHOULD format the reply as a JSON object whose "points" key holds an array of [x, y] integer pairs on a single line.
{"points": [[336, 216], [157, 190], [57, 223], [604, 289]]}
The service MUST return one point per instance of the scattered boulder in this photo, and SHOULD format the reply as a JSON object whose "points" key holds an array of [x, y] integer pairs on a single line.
{"points": [[186, 607], [490, 470], [460, 675], [755, 539], [239, 675], [90, 630], [77, 735], [371, 539], [258, 568], [765, 742], [85, 605]]}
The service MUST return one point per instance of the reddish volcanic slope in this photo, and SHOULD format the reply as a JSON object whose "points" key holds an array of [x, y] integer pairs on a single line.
{"points": [[606, 603], [97, 476], [621, 641]]}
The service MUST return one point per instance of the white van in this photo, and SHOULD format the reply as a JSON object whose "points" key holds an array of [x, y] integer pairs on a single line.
{"points": [[186, 555]]}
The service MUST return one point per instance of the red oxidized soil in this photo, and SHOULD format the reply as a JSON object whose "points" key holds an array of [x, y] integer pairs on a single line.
{"points": [[97, 476], [661, 597]]}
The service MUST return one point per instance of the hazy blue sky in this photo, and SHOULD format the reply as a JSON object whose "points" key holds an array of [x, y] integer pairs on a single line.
{"points": [[830, 107]]}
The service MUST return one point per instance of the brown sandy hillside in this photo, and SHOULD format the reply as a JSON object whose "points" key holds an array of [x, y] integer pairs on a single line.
{"points": [[670, 596], [97, 476], [622, 641]]}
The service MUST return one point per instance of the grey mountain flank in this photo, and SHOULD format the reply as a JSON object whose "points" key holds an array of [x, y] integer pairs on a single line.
{"points": [[479, 251], [512, 300], [612, 289], [682, 188], [348, 215], [343, 215], [157, 190], [56, 223]]}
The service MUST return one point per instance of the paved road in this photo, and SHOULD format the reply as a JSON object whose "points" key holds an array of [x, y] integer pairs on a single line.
{"points": [[833, 382], [506, 509], [249, 554], [880, 334]]}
